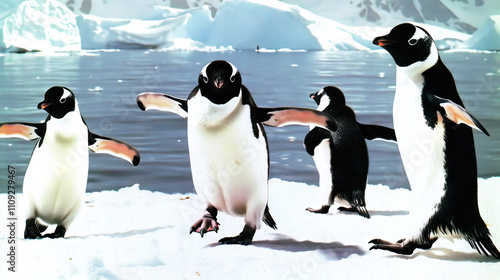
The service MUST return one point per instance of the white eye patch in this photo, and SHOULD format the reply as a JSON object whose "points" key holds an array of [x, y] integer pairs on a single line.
{"points": [[419, 34], [205, 76], [65, 95], [233, 74]]}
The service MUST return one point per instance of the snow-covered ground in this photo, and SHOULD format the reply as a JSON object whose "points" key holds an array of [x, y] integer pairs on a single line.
{"points": [[236, 24], [138, 234]]}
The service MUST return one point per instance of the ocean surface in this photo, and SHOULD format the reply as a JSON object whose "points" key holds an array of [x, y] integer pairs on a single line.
{"points": [[107, 82]]}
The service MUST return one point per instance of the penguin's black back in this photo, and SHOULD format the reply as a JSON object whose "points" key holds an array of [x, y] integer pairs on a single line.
{"points": [[349, 154], [458, 210]]}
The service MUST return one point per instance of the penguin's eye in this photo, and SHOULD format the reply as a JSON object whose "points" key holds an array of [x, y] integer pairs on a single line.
{"points": [[412, 42], [62, 100], [232, 79], [205, 79]]}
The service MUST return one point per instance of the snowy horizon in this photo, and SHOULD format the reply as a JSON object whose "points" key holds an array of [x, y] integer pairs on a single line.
{"points": [[49, 25]]}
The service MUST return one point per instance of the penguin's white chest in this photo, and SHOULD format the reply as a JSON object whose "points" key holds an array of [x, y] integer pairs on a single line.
{"points": [[228, 163], [421, 147], [56, 177]]}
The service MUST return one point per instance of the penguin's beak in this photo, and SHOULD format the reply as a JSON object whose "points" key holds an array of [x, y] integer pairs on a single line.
{"points": [[312, 95], [43, 105], [383, 41], [218, 82]]}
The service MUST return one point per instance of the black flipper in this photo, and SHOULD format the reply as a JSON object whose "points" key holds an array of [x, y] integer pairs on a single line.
{"points": [[314, 138], [372, 132]]}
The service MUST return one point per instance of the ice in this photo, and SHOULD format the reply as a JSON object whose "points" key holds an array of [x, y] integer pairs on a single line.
{"points": [[211, 25], [40, 25], [139, 234], [487, 37]]}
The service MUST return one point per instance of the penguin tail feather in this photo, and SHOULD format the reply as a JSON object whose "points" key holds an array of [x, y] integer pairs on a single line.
{"points": [[268, 219], [484, 246], [359, 204]]}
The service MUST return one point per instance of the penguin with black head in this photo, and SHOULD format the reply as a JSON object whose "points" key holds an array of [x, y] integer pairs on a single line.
{"points": [[55, 181], [341, 157], [228, 147], [435, 140]]}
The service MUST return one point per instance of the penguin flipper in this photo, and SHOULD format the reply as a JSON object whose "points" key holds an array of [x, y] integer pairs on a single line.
{"points": [[458, 114], [26, 131], [162, 102], [283, 116], [375, 132], [314, 138], [106, 145]]}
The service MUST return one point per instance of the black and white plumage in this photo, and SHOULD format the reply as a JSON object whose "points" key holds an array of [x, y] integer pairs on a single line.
{"points": [[341, 157], [228, 147], [436, 148], [56, 178]]}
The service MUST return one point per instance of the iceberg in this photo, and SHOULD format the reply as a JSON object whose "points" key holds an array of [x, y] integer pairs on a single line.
{"points": [[236, 24], [487, 37], [42, 25]]}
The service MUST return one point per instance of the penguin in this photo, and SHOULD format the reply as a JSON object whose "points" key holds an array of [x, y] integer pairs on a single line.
{"points": [[341, 157], [435, 140], [228, 147], [56, 177]]}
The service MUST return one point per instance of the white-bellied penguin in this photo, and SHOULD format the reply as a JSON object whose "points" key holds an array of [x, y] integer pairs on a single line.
{"points": [[56, 178], [228, 147], [341, 157], [435, 140]]}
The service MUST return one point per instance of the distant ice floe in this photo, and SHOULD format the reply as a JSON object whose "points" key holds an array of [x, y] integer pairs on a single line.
{"points": [[42, 26]]}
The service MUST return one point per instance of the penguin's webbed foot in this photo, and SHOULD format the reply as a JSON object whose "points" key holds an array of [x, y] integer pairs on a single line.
{"points": [[31, 231], [323, 210], [398, 247], [58, 233], [204, 225], [245, 237]]}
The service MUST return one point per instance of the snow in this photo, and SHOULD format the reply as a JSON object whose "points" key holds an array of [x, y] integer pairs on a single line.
{"points": [[42, 25], [487, 37], [204, 25], [138, 234]]}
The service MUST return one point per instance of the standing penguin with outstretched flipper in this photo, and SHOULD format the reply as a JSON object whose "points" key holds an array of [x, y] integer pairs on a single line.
{"points": [[436, 147], [228, 147], [341, 157], [56, 178]]}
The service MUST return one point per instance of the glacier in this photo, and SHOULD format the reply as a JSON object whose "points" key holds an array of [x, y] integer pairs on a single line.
{"points": [[43, 26], [222, 25], [486, 37]]}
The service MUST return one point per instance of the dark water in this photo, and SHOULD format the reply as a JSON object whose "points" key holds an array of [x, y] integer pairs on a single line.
{"points": [[275, 79]]}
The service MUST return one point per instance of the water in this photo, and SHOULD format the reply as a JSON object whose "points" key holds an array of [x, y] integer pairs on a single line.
{"points": [[275, 79]]}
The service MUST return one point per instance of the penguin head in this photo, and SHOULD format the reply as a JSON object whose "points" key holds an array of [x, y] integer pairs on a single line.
{"points": [[219, 81], [328, 97], [58, 102], [410, 46]]}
